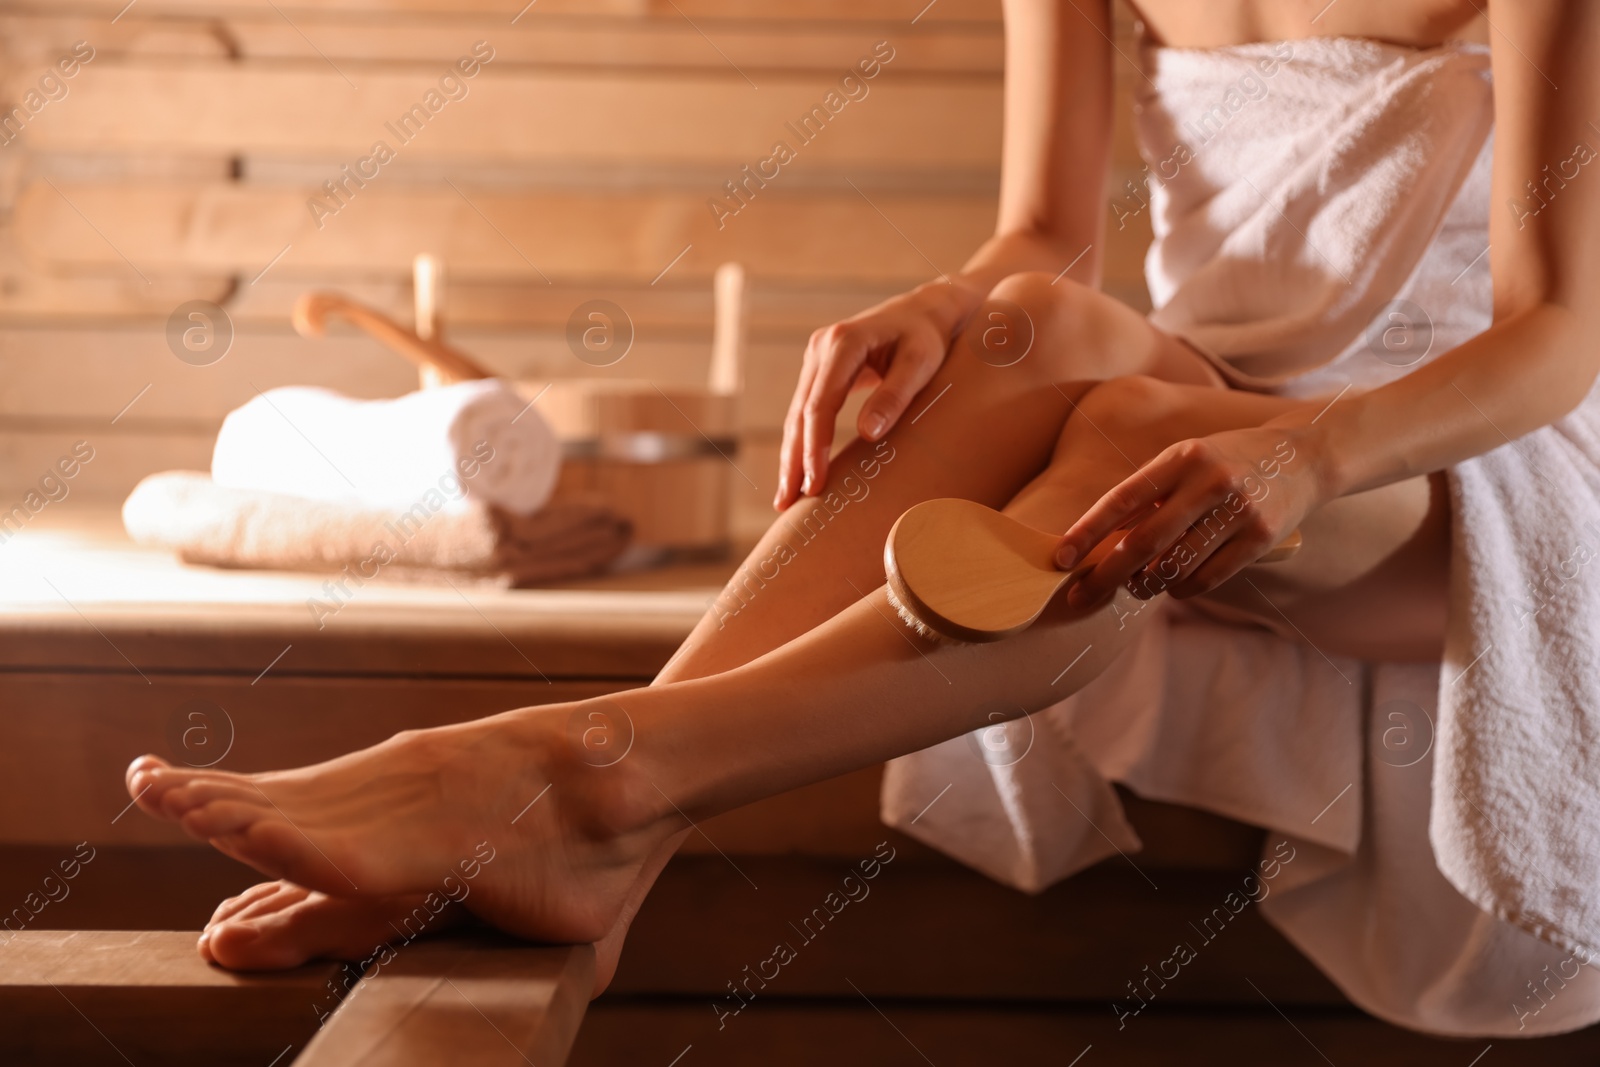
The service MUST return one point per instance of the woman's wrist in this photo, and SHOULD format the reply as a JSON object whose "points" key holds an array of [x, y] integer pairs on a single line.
{"points": [[951, 301], [1326, 454]]}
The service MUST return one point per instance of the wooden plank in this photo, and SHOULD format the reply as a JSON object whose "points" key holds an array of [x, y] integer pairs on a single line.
{"points": [[772, 312], [844, 10], [132, 372], [30, 298], [630, 121], [120, 460], [86, 995], [564, 40], [788, 313], [117, 364], [72, 734], [116, 997], [567, 634], [779, 236], [926, 927], [74, 592], [482, 1001], [789, 1032], [123, 887]]}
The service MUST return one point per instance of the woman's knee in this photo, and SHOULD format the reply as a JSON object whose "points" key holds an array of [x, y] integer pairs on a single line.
{"points": [[1130, 405], [1069, 330]]}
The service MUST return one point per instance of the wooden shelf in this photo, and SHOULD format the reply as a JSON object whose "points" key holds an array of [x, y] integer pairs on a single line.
{"points": [[77, 595]]}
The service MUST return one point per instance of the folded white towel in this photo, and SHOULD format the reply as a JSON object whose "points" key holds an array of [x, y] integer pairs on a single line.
{"points": [[474, 441]]}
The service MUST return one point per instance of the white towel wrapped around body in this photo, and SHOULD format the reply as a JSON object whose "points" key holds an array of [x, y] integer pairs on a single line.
{"points": [[1443, 819], [388, 454]]}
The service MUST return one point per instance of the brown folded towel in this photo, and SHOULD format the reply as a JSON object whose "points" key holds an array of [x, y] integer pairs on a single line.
{"points": [[206, 523]]}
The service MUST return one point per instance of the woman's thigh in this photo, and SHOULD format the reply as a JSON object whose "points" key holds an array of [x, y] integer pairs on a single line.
{"points": [[1372, 576]]}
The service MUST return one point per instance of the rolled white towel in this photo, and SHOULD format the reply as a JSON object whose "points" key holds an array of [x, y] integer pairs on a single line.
{"points": [[471, 441]]}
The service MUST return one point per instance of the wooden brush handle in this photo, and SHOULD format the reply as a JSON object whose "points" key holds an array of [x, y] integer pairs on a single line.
{"points": [[1283, 549], [313, 309]]}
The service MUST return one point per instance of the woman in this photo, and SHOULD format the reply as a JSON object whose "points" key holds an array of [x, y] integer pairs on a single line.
{"points": [[795, 678]]}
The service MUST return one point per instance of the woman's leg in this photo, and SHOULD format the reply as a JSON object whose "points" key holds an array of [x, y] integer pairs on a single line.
{"points": [[978, 430], [857, 689]]}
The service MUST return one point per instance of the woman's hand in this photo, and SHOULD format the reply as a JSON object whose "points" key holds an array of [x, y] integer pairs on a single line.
{"points": [[899, 345], [1199, 513]]}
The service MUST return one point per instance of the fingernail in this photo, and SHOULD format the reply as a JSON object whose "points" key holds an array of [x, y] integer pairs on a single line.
{"points": [[876, 424], [1066, 556], [807, 487], [1076, 597]]}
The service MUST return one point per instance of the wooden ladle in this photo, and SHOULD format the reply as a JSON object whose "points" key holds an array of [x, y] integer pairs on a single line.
{"points": [[313, 309]]}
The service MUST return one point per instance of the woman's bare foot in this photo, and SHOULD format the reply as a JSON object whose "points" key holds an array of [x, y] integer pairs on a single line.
{"points": [[277, 925], [503, 814]]}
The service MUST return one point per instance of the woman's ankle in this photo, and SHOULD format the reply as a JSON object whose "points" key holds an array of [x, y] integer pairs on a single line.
{"points": [[608, 779]]}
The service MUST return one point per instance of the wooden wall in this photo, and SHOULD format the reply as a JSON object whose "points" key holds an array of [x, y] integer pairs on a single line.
{"points": [[177, 164]]}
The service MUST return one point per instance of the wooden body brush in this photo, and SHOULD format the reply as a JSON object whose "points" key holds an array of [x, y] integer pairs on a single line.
{"points": [[963, 572]]}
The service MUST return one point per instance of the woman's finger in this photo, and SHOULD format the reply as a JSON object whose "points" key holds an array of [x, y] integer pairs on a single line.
{"points": [[916, 359], [1147, 540], [844, 351], [1173, 567], [789, 465], [1223, 564], [1142, 489]]}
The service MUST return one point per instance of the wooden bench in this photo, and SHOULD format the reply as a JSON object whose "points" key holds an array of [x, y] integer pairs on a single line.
{"points": [[142, 997], [98, 664]]}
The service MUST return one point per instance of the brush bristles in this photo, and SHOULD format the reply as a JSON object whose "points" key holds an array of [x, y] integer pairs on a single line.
{"points": [[919, 627]]}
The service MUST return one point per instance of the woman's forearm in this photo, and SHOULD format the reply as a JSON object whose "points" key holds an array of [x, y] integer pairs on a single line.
{"points": [[1057, 144], [1522, 374]]}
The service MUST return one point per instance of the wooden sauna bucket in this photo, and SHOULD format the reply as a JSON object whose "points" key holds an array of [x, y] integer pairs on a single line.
{"points": [[662, 456]]}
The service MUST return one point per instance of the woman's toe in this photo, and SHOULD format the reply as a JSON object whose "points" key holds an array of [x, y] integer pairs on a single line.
{"points": [[223, 818], [286, 931], [145, 780], [180, 799], [239, 945], [247, 901], [142, 765]]}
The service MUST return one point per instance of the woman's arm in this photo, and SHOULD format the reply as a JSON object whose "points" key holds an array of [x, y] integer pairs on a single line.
{"points": [[1535, 364], [1057, 144], [1539, 359]]}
